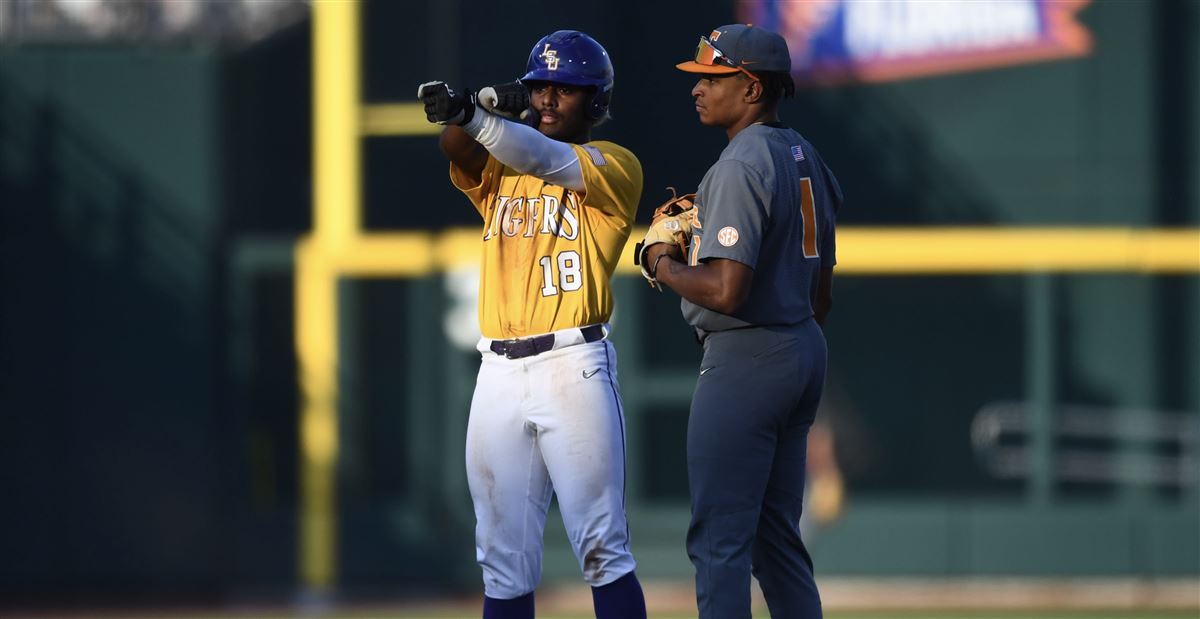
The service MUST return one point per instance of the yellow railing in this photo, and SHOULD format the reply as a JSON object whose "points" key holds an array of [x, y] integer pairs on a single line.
{"points": [[861, 251]]}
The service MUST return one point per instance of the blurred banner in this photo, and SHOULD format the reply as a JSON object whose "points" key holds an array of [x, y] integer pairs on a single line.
{"points": [[871, 41], [62, 21]]}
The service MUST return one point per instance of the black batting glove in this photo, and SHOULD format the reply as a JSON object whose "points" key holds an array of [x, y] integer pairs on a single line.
{"points": [[444, 106], [510, 100]]}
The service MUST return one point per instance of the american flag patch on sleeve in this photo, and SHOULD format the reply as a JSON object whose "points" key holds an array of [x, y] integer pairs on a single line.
{"points": [[797, 153], [596, 155]]}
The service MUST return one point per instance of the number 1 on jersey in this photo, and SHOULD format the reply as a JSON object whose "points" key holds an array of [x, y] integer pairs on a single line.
{"points": [[570, 274], [808, 210]]}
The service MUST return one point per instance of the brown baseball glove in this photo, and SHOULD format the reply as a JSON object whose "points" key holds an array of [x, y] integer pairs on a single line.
{"points": [[672, 223]]}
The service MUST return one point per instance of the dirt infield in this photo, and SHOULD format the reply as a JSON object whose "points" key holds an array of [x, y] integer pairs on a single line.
{"points": [[914, 597], [843, 598]]}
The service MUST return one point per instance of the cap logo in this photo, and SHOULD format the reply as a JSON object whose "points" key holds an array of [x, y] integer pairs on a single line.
{"points": [[716, 34], [551, 57]]}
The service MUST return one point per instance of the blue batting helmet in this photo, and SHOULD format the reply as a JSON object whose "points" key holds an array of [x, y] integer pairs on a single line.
{"points": [[572, 57]]}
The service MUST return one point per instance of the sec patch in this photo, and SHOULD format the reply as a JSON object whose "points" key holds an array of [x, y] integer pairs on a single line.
{"points": [[728, 236]]}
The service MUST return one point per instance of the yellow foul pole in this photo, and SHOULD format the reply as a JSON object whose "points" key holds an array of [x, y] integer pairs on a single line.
{"points": [[336, 223], [336, 121]]}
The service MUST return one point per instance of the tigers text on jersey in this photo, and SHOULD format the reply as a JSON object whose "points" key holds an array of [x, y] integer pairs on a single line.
{"points": [[548, 252]]}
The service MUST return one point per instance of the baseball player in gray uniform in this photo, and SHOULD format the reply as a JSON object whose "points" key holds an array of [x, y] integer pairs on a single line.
{"points": [[756, 284]]}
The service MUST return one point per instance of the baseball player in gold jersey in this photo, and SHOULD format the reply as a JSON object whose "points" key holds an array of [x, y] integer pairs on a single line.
{"points": [[546, 417]]}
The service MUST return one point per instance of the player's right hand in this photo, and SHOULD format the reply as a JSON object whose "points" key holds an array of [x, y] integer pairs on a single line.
{"points": [[444, 106], [510, 100]]}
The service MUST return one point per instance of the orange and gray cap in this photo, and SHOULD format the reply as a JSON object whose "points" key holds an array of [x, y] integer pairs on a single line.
{"points": [[739, 47]]}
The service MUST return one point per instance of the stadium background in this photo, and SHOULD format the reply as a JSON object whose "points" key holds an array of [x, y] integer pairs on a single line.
{"points": [[164, 438]]}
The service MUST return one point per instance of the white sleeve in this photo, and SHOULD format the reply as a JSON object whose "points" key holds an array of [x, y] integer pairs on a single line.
{"points": [[526, 150]]}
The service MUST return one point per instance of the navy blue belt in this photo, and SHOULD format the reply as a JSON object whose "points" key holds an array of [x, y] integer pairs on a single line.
{"points": [[530, 346]]}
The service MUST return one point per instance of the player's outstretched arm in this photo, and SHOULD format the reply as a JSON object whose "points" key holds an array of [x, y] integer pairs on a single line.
{"points": [[446, 107], [516, 145], [526, 150], [464, 152]]}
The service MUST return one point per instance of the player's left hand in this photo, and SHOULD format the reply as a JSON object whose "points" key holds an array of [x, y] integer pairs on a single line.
{"points": [[510, 100], [444, 106], [672, 226], [663, 237]]}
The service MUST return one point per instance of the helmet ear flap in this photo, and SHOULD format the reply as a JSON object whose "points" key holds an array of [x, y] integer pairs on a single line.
{"points": [[600, 101]]}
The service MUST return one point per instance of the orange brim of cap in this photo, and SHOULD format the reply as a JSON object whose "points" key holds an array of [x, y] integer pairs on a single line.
{"points": [[692, 66]]}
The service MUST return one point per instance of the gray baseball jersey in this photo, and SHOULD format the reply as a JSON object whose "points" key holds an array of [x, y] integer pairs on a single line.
{"points": [[769, 202]]}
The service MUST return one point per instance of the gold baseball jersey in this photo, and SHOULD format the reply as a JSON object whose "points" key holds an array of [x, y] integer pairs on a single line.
{"points": [[548, 252]]}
